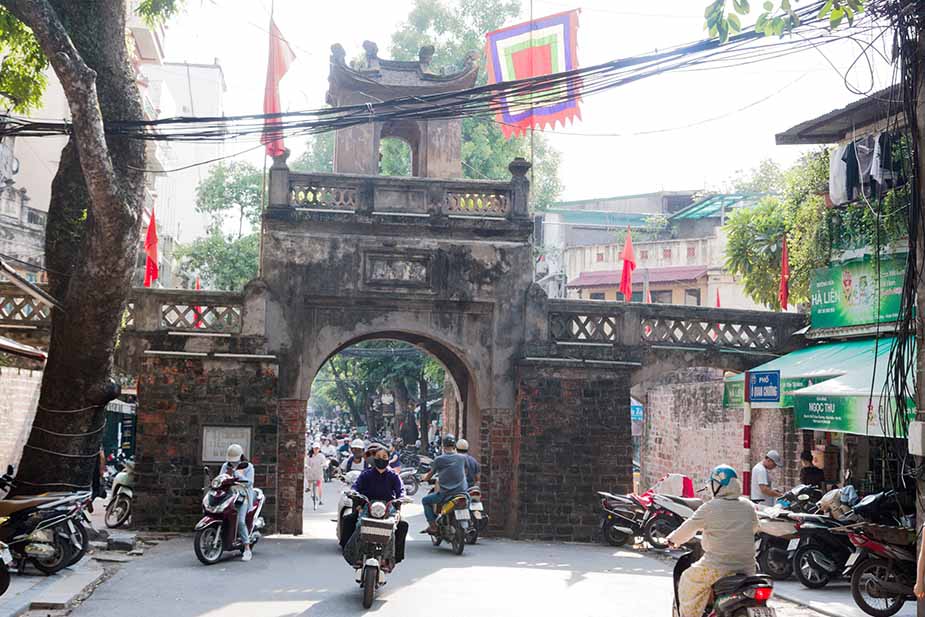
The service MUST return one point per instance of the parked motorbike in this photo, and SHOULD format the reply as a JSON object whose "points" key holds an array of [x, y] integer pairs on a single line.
{"points": [[801, 498], [733, 596], [884, 567], [452, 522], [377, 524], [479, 520], [119, 508], [6, 561], [217, 530], [772, 543], [624, 517], [668, 512]]}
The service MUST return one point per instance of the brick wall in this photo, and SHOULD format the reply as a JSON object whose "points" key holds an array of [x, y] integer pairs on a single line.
{"points": [[176, 398], [19, 395], [291, 464], [688, 431], [573, 427], [499, 460]]}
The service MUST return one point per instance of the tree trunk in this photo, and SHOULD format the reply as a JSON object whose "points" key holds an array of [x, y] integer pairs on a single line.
{"points": [[92, 234]]}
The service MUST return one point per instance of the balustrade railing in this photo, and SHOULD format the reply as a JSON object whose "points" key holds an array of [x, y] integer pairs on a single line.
{"points": [[19, 309]]}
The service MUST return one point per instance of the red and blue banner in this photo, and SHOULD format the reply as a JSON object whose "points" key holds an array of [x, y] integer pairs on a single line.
{"points": [[540, 47]]}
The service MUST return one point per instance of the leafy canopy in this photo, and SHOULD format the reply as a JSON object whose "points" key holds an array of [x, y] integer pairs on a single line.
{"points": [[236, 185], [222, 262], [776, 18]]}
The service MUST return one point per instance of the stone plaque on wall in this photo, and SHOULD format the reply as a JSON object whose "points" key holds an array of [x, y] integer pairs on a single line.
{"points": [[397, 270], [216, 439]]}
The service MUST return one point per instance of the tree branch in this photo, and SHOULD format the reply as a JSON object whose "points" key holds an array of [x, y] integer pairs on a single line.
{"points": [[79, 84]]}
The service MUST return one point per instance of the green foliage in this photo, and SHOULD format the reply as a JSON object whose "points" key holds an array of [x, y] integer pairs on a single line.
{"points": [[22, 65], [776, 18], [222, 262], [236, 185], [456, 29], [396, 157], [768, 177], [318, 156]]}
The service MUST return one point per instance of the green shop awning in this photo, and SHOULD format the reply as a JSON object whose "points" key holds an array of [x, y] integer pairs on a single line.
{"points": [[844, 404]]}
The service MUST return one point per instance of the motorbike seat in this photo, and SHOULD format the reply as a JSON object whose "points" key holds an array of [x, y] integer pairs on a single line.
{"points": [[18, 504], [691, 502], [732, 584]]}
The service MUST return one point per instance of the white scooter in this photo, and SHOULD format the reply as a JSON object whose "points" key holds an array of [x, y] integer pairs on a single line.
{"points": [[345, 504], [119, 508], [668, 512]]}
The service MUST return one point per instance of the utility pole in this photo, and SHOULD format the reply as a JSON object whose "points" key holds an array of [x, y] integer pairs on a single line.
{"points": [[919, 395]]}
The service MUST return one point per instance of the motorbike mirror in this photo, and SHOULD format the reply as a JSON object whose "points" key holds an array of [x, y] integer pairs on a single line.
{"points": [[9, 470]]}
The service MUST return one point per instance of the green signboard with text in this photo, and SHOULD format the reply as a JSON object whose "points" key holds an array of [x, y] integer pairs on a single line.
{"points": [[848, 414], [847, 294]]}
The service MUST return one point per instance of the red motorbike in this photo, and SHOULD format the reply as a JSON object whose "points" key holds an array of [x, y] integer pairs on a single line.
{"points": [[884, 567], [217, 530]]}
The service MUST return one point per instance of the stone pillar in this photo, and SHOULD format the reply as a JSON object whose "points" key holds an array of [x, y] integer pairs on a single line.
{"points": [[278, 185], [520, 186], [291, 464]]}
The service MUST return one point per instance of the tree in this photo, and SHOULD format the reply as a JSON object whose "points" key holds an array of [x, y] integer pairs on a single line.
{"points": [[455, 30], [222, 262], [318, 156], [236, 185], [768, 177], [94, 217]]}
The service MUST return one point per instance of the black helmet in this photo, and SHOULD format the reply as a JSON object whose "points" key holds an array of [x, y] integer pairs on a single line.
{"points": [[449, 441]]}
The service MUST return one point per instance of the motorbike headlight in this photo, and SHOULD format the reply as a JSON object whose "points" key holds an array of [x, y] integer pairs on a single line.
{"points": [[377, 510], [216, 483]]}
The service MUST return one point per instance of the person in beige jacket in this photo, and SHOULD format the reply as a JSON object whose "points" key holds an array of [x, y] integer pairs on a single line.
{"points": [[728, 523]]}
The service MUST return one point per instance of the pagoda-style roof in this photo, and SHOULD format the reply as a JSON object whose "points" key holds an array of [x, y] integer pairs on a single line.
{"points": [[390, 79]]}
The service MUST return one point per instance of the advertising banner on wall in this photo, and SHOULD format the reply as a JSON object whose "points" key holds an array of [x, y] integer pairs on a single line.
{"points": [[852, 294], [847, 414]]}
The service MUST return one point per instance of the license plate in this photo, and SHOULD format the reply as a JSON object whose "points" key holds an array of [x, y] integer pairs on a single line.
{"points": [[476, 506], [794, 544], [462, 515], [761, 611], [852, 560]]}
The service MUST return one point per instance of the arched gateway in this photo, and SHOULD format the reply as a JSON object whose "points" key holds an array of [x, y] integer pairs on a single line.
{"points": [[444, 263]]}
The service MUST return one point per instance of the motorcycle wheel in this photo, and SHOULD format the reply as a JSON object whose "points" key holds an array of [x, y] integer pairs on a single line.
{"points": [[370, 578], [865, 591], [472, 534], [58, 561], [613, 537], [411, 486], [203, 544], [79, 551], [805, 569], [459, 539], [118, 511], [779, 570], [4, 578], [657, 530]]}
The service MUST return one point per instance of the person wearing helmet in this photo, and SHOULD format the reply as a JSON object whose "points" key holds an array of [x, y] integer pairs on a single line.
{"points": [[473, 469], [237, 465], [450, 469], [729, 524], [314, 471], [357, 462]]}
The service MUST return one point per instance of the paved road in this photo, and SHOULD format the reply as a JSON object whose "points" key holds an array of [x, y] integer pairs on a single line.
{"points": [[306, 576]]}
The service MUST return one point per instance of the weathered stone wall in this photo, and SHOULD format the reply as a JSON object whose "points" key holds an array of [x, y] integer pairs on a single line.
{"points": [[19, 396], [775, 429], [177, 398], [571, 437], [500, 462]]}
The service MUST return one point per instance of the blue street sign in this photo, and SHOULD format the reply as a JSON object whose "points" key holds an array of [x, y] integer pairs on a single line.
{"points": [[763, 386]]}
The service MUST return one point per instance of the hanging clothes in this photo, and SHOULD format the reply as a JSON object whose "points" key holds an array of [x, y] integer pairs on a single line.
{"points": [[852, 173], [864, 150], [838, 182]]}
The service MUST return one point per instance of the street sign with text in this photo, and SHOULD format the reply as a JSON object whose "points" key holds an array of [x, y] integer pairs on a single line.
{"points": [[763, 386]]}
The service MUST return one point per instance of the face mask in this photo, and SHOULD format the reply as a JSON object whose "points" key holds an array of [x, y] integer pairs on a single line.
{"points": [[380, 463]]}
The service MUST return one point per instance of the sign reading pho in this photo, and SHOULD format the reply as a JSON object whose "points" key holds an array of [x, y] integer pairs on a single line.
{"points": [[847, 294], [763, 386]]}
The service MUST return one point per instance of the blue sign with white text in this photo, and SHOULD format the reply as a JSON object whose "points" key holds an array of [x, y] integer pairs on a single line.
{"points": [[764, 386]]}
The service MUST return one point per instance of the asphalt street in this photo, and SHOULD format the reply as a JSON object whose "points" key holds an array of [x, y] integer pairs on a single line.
{"points": [[306, 576]]}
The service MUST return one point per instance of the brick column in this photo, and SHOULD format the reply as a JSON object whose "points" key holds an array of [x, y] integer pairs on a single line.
{"points": [[291, 464]]}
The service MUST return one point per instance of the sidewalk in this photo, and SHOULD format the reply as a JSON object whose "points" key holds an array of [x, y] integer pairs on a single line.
{"points": [[37, 591], [833, 600]]}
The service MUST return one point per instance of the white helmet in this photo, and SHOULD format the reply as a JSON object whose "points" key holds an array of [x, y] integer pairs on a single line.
{"points": [[462, 445], [357, 443], [234, 453]]}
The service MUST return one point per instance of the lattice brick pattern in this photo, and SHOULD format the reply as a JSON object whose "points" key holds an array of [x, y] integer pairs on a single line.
{"points": [[488, 204], [694, 332], [583, 328], [207, 317], [324, 197], [23, 309]]}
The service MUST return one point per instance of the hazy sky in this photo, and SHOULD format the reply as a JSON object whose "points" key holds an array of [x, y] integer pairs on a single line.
{"points": [[797, 88]]}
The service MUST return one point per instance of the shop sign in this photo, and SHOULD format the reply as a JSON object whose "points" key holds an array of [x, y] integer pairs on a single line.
{"points": [[636, 412], [846, 414], [848, 293], [763, 386]]}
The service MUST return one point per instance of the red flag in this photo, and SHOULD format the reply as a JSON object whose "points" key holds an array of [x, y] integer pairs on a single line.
{"points": [[784, 294], [629, 264], [151, 251], [717, 298], [197, 310], [280, 58]]}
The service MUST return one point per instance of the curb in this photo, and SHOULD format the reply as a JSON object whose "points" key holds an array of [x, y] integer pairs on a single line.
{"points": [[56, 592], [793, 600]]}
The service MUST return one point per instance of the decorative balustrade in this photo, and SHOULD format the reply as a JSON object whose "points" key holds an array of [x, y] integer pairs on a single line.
{"points": [[323, 193], [20, 310], [663, 325], [477, 203]]}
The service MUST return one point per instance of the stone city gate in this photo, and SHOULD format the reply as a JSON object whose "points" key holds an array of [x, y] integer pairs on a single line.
{"points": [[446, 264]]}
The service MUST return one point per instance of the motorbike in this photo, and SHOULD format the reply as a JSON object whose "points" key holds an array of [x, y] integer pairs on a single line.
{"points": [[410, 478], [802, 498], [452, 522], [772, 543], [377, 524], [739, 595], [624, 517], [217, 531], [668, 512], [345, 504], [6, 560], [479, 520], [884, 568], [119, 508]]}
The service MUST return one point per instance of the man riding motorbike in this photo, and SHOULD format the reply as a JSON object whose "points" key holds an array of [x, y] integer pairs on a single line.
{"points": [[238, 466], [357, 462], [378, 483], [729, 524], [473, 469], [450, 469]]}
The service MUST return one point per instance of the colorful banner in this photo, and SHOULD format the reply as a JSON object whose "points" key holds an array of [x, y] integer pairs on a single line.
{"points": [[540, 47], [847, 294], [846, 414]]}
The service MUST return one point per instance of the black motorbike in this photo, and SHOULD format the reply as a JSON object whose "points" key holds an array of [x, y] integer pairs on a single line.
{"points": [[801, 498], [377, 524], [623, 518]]}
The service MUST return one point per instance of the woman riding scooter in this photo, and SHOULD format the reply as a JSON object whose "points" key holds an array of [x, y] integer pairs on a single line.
{"points": [[729, 523], [238, 466]]}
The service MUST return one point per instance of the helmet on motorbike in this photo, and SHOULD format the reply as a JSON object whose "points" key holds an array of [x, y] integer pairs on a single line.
{"points": [[720, 477], [462, 445], [357, 443], [234, 453], [449, 441]]}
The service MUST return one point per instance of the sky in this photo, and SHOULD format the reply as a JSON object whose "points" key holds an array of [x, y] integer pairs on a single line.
{"points": [[737, 111]]}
